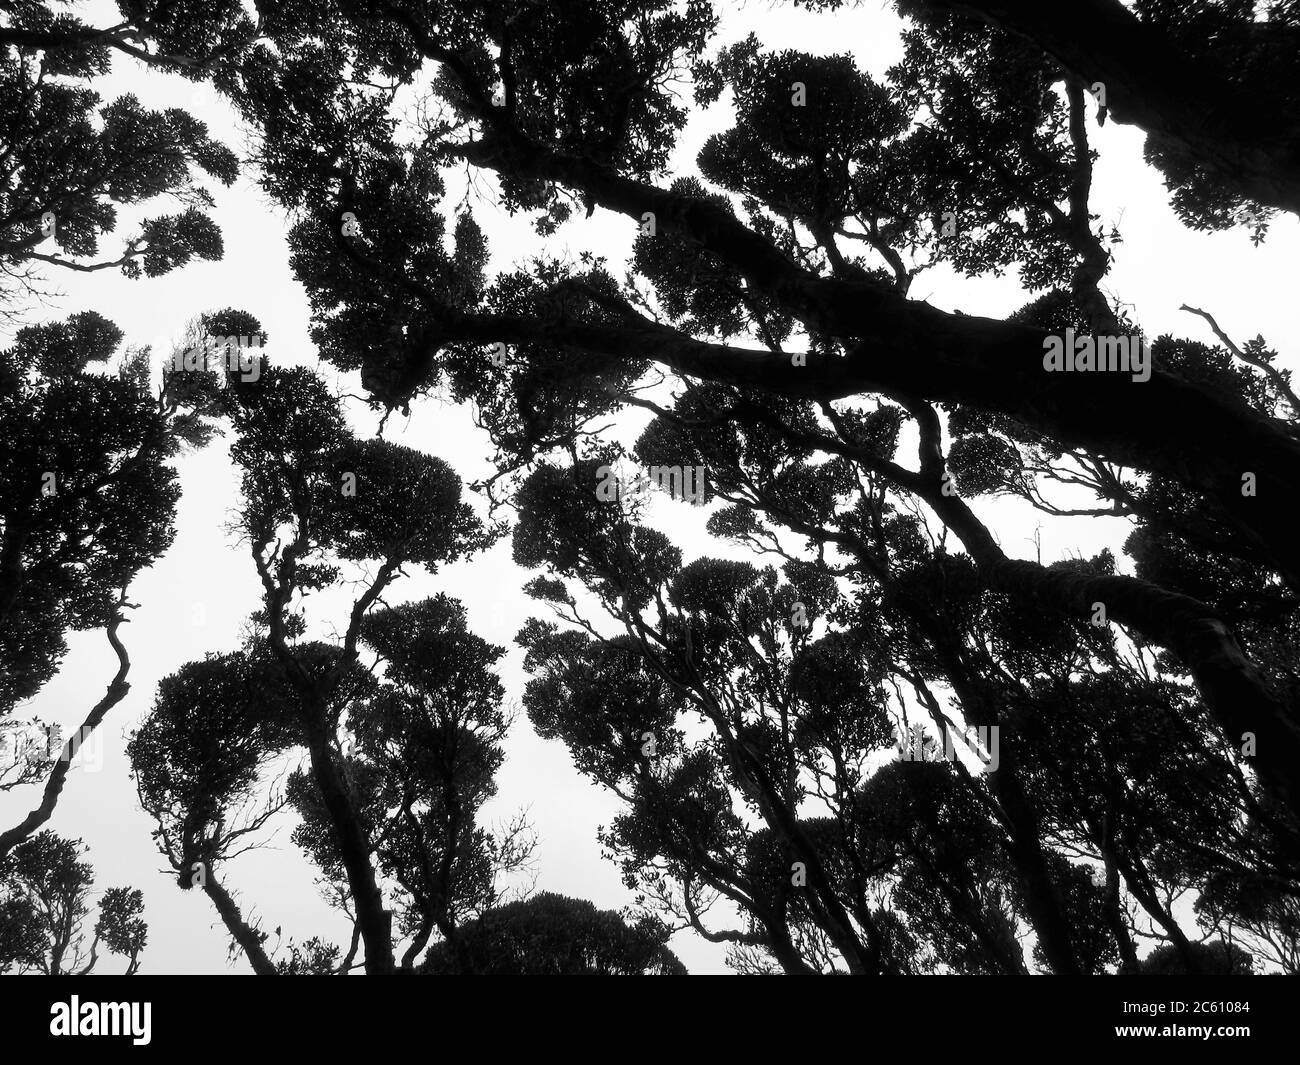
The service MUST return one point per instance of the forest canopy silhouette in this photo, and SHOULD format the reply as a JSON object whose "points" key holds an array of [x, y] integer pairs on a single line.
{"points": [[862, 735]]}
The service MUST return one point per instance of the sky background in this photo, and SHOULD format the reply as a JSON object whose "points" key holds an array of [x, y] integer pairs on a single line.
{"points": [[197, 597]]}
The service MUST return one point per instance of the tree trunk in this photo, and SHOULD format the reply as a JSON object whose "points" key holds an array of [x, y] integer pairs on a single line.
{"points": [[117, 691], [354, 850], [248, 940]]}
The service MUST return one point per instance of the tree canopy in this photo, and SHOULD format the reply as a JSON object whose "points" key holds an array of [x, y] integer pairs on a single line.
{"points": [[859, 733]]}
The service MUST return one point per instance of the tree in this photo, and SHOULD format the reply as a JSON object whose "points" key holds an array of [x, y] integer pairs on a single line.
{"points": [[45, 904], [1220, 958], [184, 36], [196, 760], [426, 746], [353, 501], [553, 935], [68, 164], [400, 754], [87, 500]]}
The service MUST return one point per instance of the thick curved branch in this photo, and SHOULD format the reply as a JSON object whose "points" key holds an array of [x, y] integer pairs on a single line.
{"points": [[1165, 425], [117, 690]]}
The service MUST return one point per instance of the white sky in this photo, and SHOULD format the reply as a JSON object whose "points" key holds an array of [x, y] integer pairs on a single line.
{"points": [[195, 599]]}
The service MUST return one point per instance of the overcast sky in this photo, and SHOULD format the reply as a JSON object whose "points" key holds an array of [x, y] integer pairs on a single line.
{"points": [[197, 597]]}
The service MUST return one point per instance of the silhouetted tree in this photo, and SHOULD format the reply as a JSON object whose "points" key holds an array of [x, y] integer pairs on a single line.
{"points": [[197, 757], [553, 935], [45, 902], [1218, 958], [71, 161], [87, 500]]}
